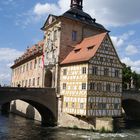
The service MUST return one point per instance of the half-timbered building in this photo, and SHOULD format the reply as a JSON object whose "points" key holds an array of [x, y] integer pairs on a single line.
{"points": [[91, 78]]}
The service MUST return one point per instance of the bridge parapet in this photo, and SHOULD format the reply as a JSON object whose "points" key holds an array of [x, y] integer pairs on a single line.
{"points": [[27, 90], [131, 94], [131, 91]]}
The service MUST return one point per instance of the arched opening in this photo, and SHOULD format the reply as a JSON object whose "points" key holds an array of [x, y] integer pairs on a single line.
{"points": [[48, 78], [131, 108], [47, 116]]}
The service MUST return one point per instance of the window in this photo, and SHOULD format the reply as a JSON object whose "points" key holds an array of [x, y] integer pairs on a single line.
{"points": [[117, 88], [74, 35], [35, 63], [106, 71], [108, 87], [77, 50], [84, 70], [29, 82], [73, 105], [91, 105], [22, 83], [83, 85], [106, 48], [116, 73], [66, 104], [33, 81], [101, 59], [101, 105], [99, 87], [81, 105], [39, 62], [64, 71], [111, 61], [90, 47], [116, 106], [95, 70], [55, 35], [38, 80], [64, 85], [27, 67], [30, 65], [92, 86], [23, 68], [26, 83]]}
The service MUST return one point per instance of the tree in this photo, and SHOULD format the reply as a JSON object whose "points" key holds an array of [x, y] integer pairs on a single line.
{"points": [[126, 76]]}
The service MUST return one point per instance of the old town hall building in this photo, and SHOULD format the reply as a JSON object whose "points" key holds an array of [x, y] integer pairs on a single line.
{"points": [[80, 62]]}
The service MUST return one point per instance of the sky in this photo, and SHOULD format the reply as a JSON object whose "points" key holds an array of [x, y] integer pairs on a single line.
{"points": [[21, 20]]}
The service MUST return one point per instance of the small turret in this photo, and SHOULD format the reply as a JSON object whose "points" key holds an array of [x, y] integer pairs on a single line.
{"points": [[77, 4]]}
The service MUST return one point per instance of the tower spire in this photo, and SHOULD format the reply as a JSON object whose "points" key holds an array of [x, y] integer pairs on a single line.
{"points": [[77, 4]]}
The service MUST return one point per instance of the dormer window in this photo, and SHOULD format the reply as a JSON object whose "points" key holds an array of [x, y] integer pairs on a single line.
{"points": [[90, 47], [77, 50]]}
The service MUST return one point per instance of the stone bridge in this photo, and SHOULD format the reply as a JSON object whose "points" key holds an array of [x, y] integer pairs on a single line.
{"points": [[43, 99], [131, 104]]}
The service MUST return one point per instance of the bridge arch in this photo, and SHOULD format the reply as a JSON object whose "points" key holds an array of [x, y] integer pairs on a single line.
{"points": [[47, 116], [44, 100], [131, 104], [131, 107]]}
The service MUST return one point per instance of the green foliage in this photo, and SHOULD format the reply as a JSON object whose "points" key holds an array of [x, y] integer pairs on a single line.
{"points": [[128, 75]]}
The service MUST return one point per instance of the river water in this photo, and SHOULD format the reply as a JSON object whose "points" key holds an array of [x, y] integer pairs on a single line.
{"points": [[14, 127]]}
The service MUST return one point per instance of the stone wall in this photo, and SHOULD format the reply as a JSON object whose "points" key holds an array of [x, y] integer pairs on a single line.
{"points": [[79, 122], [64, 120], [25, 110]]}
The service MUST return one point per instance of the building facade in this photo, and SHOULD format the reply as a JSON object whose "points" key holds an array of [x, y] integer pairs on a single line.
{"points": [[62, 33], [27, 70], [91, 79], [96, 91]]}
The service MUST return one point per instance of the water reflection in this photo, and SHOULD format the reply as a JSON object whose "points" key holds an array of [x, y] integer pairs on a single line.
{"points": [[17, 128]]}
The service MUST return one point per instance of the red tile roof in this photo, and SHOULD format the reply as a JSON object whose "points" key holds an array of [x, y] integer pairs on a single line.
{"points": [[35, 49], [85, 50]]}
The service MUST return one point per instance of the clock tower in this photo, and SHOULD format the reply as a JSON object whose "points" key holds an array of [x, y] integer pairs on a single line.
{"points": [[77, 4]]}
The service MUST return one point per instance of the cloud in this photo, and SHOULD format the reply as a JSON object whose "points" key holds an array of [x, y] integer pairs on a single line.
{"points": [[26, 18], [117, 41], [135, 65], [131, 50], [7, 56], [44, 9], [121, 40], [107, 12], [126, 35]]}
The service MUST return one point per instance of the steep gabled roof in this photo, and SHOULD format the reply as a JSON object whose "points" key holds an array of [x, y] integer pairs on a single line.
{"points": [[85, 50], [51, 18]]}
